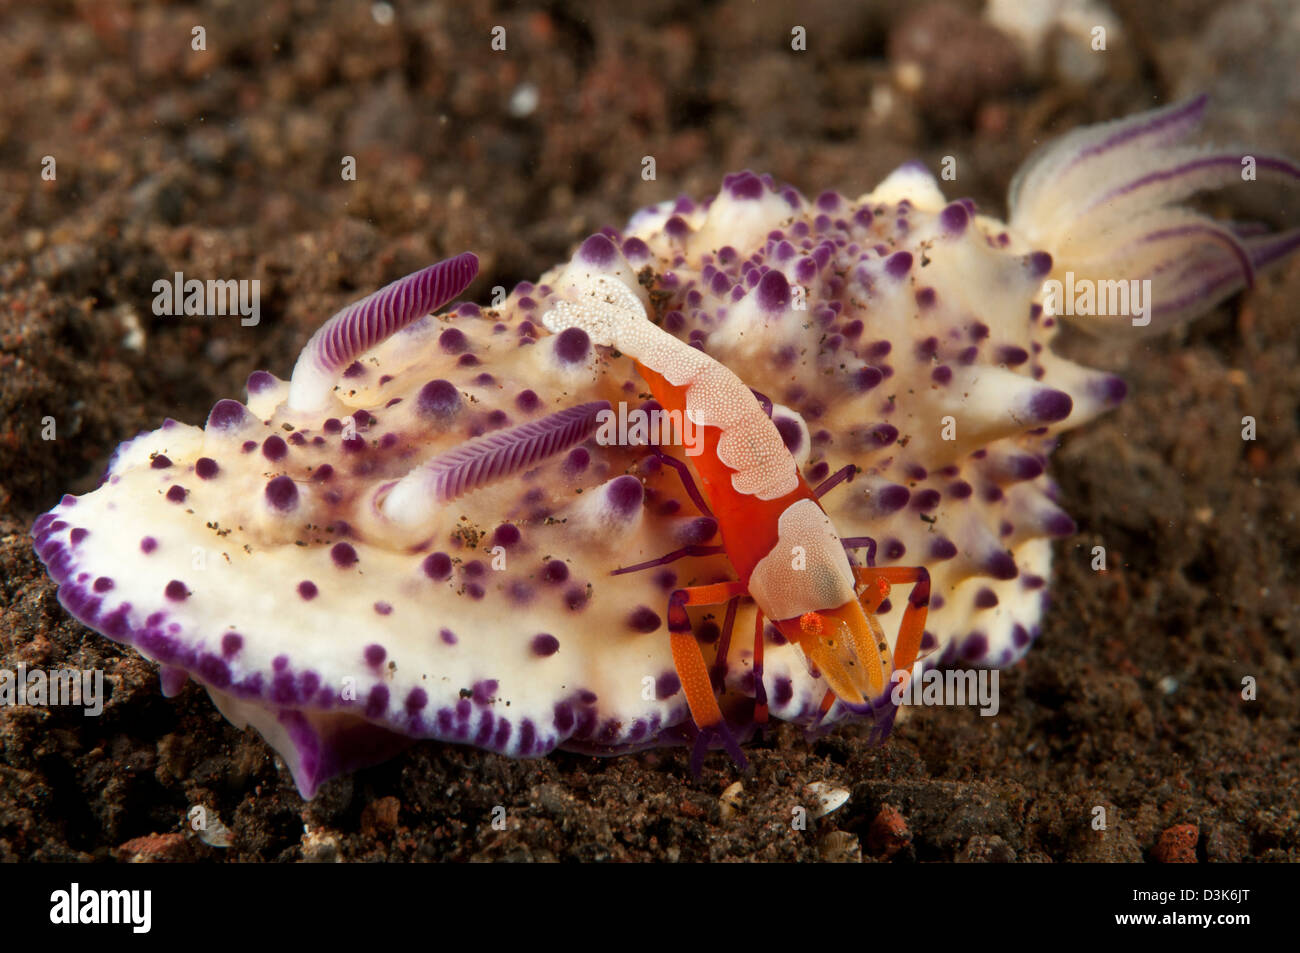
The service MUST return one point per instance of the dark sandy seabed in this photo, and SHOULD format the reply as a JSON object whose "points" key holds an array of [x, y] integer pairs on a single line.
{"points": [[225, 163]]}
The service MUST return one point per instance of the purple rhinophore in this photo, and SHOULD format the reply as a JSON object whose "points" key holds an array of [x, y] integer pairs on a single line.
{"points": [[493, 457], [378, 316]]}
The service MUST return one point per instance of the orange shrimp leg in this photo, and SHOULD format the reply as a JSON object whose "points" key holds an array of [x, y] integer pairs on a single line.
{"points": [[693, 672], [912, 628]]}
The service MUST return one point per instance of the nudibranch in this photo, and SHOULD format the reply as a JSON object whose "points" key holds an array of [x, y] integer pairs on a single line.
{"points": [[419, 534]]}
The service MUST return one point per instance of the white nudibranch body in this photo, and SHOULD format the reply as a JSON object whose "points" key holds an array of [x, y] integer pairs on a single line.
{"points": [[413, 537]]}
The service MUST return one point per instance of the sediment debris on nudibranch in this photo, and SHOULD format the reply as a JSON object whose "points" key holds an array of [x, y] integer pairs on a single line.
{"points": [[416, 535]]}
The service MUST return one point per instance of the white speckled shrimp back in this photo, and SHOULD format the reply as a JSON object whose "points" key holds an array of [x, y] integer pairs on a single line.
{"points": [[748, 443]]}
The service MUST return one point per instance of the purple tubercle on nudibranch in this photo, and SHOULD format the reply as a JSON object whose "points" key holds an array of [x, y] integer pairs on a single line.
{"points": [[413, 537]]}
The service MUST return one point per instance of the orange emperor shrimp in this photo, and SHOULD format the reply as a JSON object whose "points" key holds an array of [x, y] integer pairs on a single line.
{"points": [[782, 545]]}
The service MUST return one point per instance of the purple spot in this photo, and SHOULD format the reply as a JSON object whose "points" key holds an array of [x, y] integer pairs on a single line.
{"points": [[572, 345], [354, 370], [743, 185], [377, 701], [231, 643], [176, 591], [791, 433], [416, 700], [1060, 524], [926, 297], [438, 398], [506, 535], [1001, 565], [544, 644], [527, 401], [879, 435], [1049, 406], [941, 374], [555, 572], [206, 468], [375, 655], [666, 579], [598, 250], [323, 472], [697, 531], [942, 548], [307, 589], [976, 646], [635, 249], [160, 462], [643, 619], [437, 566], [148, 545], [891, 498], [344, 555], [78, 534], [667, 685], [227, 415], [893, 549], [1110, 389], [273, 448], [577, 460], [953, 218], [448, 637], [898, 264], [773, 292], [260, 381], [383, 608], [1040, 264], [453, 341], [103, 584], [865, 378], [1012, 356], [576, 598], [925, 500], [986, 599], [282, 493], [625, 494]]}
